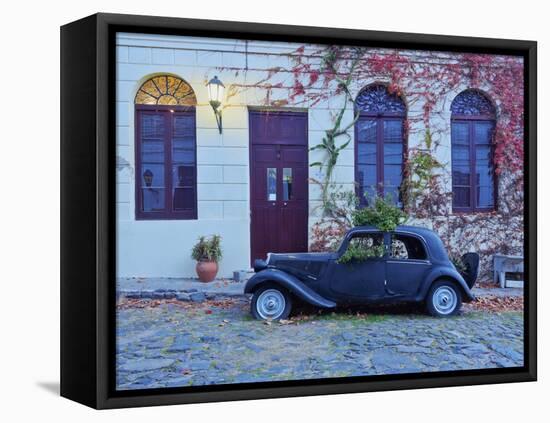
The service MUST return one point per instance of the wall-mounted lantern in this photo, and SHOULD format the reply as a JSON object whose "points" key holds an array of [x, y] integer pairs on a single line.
{"points": [[216, 90]]}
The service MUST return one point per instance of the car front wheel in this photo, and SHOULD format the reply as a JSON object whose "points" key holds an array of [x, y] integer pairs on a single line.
{"points": [[271, 303], [444, 299]]}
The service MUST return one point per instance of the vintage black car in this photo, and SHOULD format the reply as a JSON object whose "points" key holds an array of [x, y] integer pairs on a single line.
{"points": [[412, 266]]}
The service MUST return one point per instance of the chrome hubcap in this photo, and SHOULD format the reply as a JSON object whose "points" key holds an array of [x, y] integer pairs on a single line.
{"points": [[271, 304], [444, 300]]}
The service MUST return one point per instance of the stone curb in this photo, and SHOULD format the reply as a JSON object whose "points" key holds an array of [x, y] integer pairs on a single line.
{"points": [[192, 295]]}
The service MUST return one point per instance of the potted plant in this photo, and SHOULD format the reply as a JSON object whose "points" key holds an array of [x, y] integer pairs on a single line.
{"points": [[207, 252]]}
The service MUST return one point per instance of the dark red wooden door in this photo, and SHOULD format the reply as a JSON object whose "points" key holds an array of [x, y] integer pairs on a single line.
{"points": [[278, 182]]}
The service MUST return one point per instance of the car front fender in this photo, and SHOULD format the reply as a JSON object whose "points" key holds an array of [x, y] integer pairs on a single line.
{"points": [[442, 272], [290, 283]]}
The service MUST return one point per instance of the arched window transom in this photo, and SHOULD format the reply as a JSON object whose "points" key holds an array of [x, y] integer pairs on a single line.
{"points": [[472, 128], [472, 103], [380, 148], [377, 99], [166, 90]]}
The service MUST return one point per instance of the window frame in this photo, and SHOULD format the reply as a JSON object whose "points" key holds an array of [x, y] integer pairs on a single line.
{"points": [[471, 120], [168, 213], [379, 118]]}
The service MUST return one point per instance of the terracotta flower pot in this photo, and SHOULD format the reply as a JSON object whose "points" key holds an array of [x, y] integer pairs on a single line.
{"points": [[206, 270]]}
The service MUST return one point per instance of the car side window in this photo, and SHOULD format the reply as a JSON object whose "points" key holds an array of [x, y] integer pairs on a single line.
{"points": [[406, 247], [370, 243]]}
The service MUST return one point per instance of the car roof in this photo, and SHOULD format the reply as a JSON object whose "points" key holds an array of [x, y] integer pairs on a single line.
{"points": [[401, 228]]}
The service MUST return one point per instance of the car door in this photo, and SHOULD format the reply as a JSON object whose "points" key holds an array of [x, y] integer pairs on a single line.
{"points": [[359, 279], [407, 264]]}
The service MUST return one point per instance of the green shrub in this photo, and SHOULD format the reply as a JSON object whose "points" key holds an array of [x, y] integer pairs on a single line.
{"points": [[383, 214], [207, 249]]}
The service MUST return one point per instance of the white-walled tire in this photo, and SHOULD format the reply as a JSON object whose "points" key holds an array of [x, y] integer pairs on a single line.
{"points": [[271, 302], [444, 299]]}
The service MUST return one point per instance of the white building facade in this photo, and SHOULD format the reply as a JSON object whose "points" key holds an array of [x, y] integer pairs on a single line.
{"points": [[221, 169]]}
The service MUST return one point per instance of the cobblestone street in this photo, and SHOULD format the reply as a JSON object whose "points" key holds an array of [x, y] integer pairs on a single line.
{"points": [[181, 344]]}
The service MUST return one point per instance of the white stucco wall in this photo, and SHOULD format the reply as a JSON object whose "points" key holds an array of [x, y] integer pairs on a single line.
{"points": [[162, 248]]}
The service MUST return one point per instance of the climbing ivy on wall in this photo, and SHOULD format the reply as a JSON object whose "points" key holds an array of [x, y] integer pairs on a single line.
{"points": [[420, 179], [329, 142], [333, 74], [427, 77], [419, 77]]}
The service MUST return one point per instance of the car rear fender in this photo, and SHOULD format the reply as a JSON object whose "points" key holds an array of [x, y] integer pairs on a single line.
{"points": [[290, 283], [446, 273]]}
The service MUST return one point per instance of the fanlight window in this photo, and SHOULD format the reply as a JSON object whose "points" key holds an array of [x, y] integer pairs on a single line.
{"points": [[166, 90], [377, 99], [472, 103], [379, 144], [472, 127]]}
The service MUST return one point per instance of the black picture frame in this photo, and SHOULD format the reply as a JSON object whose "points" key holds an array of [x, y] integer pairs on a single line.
{"points": [[88, 212]]}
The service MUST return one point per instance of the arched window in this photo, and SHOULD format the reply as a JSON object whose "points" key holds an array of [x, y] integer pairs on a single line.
{"points": [[472, 127], [379, 144], [166, 165]]}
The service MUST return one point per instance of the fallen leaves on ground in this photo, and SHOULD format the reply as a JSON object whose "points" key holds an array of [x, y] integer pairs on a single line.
{"points": [[491, 303], [125, 303], [496, 304], [144, 303]]}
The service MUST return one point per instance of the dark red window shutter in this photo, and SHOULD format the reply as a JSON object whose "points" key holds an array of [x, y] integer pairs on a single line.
{"points": [[151, 165], [166, 165], [184, 166], [472, 128], [379, 145]]}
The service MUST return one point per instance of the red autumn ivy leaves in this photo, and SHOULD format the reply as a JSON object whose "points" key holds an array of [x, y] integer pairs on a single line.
{"points": [[423, 75]]}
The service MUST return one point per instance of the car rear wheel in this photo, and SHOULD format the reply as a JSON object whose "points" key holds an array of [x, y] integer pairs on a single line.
{"points": [[444, 299], [271, 303]]}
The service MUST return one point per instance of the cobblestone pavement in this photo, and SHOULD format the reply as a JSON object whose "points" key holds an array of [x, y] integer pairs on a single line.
{"points": [[181, 344]]}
